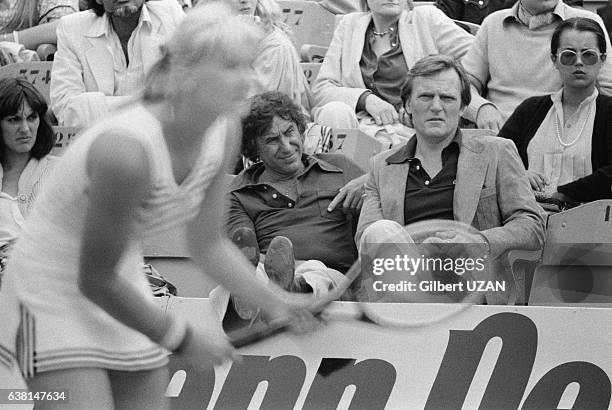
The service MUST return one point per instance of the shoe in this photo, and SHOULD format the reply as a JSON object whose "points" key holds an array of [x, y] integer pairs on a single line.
{"points": [[280, 262], [246, 240]]}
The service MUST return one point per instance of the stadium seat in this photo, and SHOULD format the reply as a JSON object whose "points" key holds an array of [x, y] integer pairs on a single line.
{"points": [[168, 252], [310, 53], [356, 145], [46, 52], [576, 264], [63, 137], [311, 70], [309, 22], [36, 72]]}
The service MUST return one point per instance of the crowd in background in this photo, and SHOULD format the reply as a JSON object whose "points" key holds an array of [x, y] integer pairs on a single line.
{"points": [[105, 52], [160, 104]]}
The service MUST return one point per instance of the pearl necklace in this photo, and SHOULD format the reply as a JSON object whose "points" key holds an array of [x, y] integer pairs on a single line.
{"points": [[382, 33], [558, 129]]}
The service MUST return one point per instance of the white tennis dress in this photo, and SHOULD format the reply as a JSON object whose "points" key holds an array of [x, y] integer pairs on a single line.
{"points": [[48, 324]]}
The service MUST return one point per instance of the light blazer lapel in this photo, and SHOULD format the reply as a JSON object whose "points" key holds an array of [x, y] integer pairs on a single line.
{"points": [[100, 62], [393, 177], [355, 49], [471, 171], [407, 36]]}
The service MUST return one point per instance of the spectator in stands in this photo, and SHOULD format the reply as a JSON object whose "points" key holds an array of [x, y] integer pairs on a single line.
{"points": [[509, 62], [283, 201], [368, 58], [564, 138], [75, 269], [33, 22], [277, 65], [104, 53], [474, 11], [442, 174], [605, 12], [27, 139]]}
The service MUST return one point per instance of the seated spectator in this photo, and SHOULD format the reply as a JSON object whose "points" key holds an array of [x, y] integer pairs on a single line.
{"points": [[605, 12], [441, 174], [283, 201], [27, 139], [474, 11], [277, 64], [508, 62], [564, 138], [33, 22], [104, 53], [368, 58]]}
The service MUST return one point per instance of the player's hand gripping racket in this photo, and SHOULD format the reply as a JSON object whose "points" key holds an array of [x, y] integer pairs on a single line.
{"points": [[435, 261]]}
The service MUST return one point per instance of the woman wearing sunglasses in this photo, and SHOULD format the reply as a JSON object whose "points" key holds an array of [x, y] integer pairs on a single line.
{"points": [[564, 138]]}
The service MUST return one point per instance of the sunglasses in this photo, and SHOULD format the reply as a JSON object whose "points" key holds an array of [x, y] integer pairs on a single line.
{"points": [[569, 57]]}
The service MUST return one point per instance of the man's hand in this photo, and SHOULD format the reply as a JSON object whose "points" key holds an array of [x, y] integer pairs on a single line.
{"points": [[457, 244], [537, 181], [294, 311], [489, 117], [200, 351], [381, 111], [350, 195], [561, 197]]}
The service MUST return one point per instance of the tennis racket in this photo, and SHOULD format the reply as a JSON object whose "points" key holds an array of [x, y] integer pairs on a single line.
{"points": [[435, 261]]}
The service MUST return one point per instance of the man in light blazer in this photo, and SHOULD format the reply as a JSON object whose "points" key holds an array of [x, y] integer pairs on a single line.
{"points": [[441, 174], [344, 97], [104, 53]]}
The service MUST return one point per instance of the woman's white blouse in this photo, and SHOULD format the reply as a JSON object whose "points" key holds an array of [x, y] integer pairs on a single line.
{"points": [[561, 148]]}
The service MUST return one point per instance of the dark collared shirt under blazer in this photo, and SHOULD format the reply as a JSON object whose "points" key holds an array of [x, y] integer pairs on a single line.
{"points": [[427, 197], [384, 74], [492, 193]]}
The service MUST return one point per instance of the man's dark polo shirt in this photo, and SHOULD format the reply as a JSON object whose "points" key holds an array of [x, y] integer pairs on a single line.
{"points": [[425, 197], [315, 233]]}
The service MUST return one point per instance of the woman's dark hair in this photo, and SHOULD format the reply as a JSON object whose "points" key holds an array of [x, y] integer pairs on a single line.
{"points": [[262, 110], [13, 93], [578, 24], [97, 8]]}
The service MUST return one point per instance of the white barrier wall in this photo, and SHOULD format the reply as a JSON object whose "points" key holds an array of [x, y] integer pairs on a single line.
{"points": [[488, 357]]}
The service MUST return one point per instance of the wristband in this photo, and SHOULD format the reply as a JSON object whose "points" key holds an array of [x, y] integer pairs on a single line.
{"points": [[16, 36], [486, 243], [175, 335]]}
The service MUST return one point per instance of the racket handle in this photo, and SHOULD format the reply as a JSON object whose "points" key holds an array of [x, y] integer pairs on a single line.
{"points": [[249, 335]]}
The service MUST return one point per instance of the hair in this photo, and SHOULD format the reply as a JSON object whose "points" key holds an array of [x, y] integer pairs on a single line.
{"points": [[578, 24], [93, 5], [434, 64], [363, 4], [269, 12], [210, 34], [13, 93], [25, 15], [261, 112]]}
